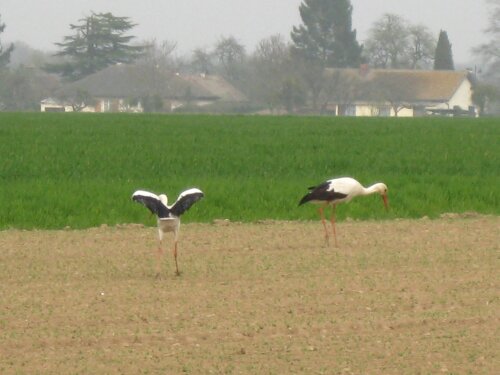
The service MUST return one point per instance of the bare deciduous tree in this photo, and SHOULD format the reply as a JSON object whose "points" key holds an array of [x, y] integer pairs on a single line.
{"points": [[271, 66], [201, 61], [340, 89], [391, 90], [393, 43], [487, 96], [159, 54], [4, 53], [421, 48], [490, 51], [311, 74], [387, 46], [230, 54]]}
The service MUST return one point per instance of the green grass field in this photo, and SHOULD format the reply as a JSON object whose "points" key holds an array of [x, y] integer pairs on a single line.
{"points": [[79, 170]]}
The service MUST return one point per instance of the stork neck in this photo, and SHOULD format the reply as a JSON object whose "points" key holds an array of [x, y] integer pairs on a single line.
{"points": [[375, 188], [164, 199]]}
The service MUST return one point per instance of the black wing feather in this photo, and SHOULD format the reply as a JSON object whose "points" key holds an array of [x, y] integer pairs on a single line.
{"points": [[321, 193], [154, 205], [185, 201]]}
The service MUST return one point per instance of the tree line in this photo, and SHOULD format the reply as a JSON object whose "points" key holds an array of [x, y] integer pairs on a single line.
{"points": [[278, 74]]}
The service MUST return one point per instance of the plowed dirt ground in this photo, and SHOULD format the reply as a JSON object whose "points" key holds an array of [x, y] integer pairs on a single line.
{"points": [[396, 297]]}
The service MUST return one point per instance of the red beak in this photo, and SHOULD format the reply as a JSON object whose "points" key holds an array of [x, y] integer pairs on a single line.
{"points": [[386, 201]]}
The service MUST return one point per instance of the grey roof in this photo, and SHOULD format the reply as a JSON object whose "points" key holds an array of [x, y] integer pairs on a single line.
{"points": [[134, 81], [409, 85]]}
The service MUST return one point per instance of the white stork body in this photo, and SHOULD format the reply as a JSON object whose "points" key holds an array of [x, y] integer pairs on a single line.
{"points": [[168, 217], [338, 190]]}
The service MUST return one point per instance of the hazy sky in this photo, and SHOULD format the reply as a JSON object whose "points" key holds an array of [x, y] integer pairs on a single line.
{"points": [[200, 23]]}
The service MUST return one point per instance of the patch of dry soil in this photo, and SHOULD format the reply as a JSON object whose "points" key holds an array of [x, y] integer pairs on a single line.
{"points": [[404, 296]]}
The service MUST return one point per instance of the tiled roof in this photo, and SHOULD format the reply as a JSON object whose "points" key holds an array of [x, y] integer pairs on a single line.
{"points": [[216, 85], [133, 81], [413, 85]]}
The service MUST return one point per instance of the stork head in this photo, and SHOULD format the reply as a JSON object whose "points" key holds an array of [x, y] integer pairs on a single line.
{"points": [[382, 190], [163, 199]]}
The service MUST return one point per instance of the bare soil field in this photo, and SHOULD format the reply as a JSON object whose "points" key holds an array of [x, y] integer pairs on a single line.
{"points": [[396, 297]]}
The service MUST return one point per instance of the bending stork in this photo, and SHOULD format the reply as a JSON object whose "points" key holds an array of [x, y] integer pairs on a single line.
{"points": [[338, 190]]}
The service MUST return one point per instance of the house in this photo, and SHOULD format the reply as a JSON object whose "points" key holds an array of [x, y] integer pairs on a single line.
{"points": [[404, 93], [54, 105], [139, 88]]}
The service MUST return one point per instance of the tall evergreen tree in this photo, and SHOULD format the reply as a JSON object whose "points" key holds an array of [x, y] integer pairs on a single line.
{"points": [[326, 34], [4, 53], [443, 59], [99, 41]]}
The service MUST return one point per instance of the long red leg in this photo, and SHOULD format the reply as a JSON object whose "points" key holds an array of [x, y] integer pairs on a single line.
{"points": [[332, 220], [158, 259], [175, 257], [324, 224]]}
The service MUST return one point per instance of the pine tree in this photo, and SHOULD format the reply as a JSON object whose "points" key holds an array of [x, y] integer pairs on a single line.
{"points": [[443, 59], [97, 43], [326, 34]]}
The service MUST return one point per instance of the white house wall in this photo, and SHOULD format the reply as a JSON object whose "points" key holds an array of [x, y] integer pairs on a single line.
{"points": [[364, 110], [52, 106], [404, 112], [367, 110], [462, 97]]}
